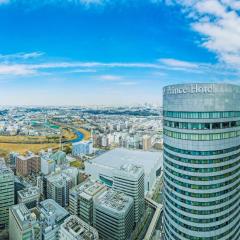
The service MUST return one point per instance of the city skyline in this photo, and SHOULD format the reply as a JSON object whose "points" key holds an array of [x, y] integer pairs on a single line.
{"points": [[100, 52]]}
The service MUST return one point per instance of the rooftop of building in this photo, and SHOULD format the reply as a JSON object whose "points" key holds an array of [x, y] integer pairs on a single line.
{"points": [[115, 201], [119, 157], [58, 179], [28, 156], [79, 230], [29, 192], [50, 207], [23, 215], [134, 170], [4, 169], [88, 188]]}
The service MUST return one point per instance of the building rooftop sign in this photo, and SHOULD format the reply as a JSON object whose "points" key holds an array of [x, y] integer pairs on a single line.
{"points": [[192, 89]]}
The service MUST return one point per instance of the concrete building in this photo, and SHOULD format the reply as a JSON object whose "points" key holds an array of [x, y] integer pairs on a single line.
{"points": [[42, 185], [29, 196], [82, 148], [23, 223], [58, 183], [40, 223], [6, 193], [74, 228], [201, 161], [59, 157], [51, 161], [81, 199], [114, 215], [12, 158], [103, 166], [29, 164], [71, 172], [47, 165], [129, 179], [58, 189], [18, 186], [52, 215]]}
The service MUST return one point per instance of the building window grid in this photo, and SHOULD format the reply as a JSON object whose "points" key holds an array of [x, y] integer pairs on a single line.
{"points": [[201, 178], [202, 187], [201, 115], [205, 238], [201, 137], [202, 229], [202, 221], [205, 204], [202, 153], [202, 162], [201, 126], [201, 195]]}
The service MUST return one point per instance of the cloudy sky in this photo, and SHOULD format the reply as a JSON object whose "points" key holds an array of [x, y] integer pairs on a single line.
{"points": [[113, 52]]}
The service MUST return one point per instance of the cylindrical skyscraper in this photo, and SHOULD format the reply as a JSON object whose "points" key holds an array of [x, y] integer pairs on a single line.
{"points": [[201, 162]]}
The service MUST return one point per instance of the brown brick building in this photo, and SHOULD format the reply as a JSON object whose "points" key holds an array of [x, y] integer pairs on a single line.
{"points": [[28, 164]]}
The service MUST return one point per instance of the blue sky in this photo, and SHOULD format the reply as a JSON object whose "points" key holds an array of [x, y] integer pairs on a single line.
{"points": [[113, 52]]}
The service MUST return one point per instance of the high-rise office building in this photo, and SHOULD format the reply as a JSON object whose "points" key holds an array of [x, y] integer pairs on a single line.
{"points": [[113, 215], [81, 199], [201, 162], [6, 193], [129, 179]]}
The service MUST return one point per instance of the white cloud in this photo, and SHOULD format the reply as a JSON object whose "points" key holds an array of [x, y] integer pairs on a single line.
{"points": [[87, 70], [23, 56], [110, 78], [11, 67], [178, 63], [218, 22], [93, 64], [15, 69]]}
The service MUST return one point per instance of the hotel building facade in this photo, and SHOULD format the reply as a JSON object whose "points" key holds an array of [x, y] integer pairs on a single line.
{"points": [[201, 162]]}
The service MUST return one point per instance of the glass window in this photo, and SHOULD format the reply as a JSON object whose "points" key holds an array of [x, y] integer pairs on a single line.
{"points": [[216, 125], [225, 124]]}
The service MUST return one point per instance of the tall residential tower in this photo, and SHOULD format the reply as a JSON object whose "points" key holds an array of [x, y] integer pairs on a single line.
{"points": [[201, 162]]}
